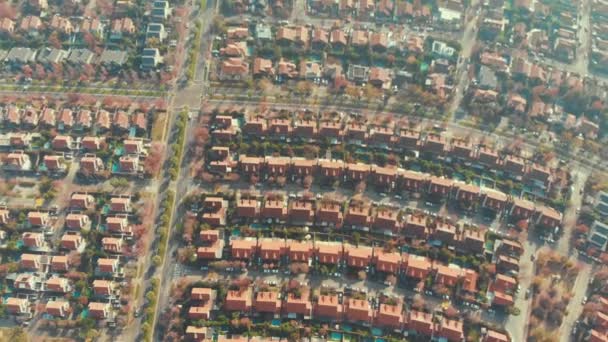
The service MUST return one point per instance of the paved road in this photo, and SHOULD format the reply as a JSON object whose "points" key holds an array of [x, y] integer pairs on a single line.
{"points": [[467, 43], [189, 96], [575, 307]]}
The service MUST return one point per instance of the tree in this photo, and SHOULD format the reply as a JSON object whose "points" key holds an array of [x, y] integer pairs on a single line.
{"points": [[391, 279], [360, 187], [54, 41], [153, 161], [307, 182], [362, 275], [157, 260]]}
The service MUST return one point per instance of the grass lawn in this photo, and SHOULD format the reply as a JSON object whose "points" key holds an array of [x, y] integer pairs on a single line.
{"points": [[158, 128]]}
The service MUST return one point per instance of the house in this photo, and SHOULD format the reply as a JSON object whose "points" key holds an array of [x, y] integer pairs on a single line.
{"points": [[30, 118], [247, 208], [358, 215], [243, 248], [262, 68], [103, 287], [33, 240], [120, 122], [440, 186], [27, 281], [150, 58], [358, 257], [517, 103], [90, 165], [59, 308], [234, 69], [328, 307], [60, 263], [7, 25], [72, 241], [37, 218], [473, 241], [272, 249], [103, 120], [58, 284], [444, 232], [48, 118], [30, 261], [418, 267], [80, 57], [93, 26], [122, 26], [451, 330], [329, 253], [54, 163], [17, 306], [298, 35], [548, 217], [61, 24], [301, 211], [106, 265], [62, 142], [310, 70], [278, 166], [331, 168], [30, 25], [598, 235], [320, 38], [113, 58], [386, 220], [237, 33], [91, 143], [357, 73], [378, 41], [112, 245], [287, 69], [197, 334], [468, 193], [214, 211], [202, 294], [17, 161], [338, 39], [121, 204], [522, 209], [495, 336], [20, 55], [118, 224], [329, 213], [514, 165], [380, 77], [99, 310], [4, 216], [236, 49], [300, 251], [388, 262], [156, 31], [239, 300], [495, 200], [447, 276], [267, 302], [436, 144], [421, 323], [212, 245], [390, 316], [415, 226], [298, 305], [77, 221], [274, 209], [359, 310], [384, 176], [487, 156]]}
